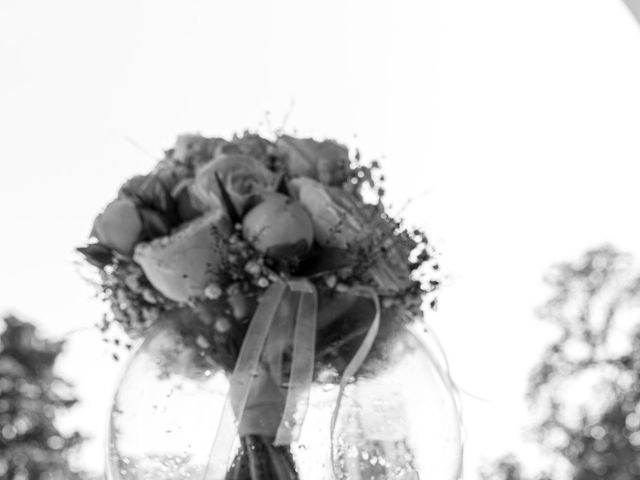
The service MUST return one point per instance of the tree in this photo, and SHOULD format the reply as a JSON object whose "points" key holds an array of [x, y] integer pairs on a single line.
{"points": [[505, 468], [585, 391], [31, 447]]}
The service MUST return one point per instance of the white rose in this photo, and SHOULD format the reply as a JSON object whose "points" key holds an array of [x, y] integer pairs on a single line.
{"points": [[188, 144], [338, 221], [335, 222], [184, 263], [243, 177], [327, 161]]}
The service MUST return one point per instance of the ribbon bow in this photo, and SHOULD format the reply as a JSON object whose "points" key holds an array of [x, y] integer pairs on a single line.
{"points": [[264, 338]]}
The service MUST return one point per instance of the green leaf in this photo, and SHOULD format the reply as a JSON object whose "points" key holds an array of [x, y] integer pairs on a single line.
{"points": [[228, 203], [282, 186], [97, 254], [323, 261]]}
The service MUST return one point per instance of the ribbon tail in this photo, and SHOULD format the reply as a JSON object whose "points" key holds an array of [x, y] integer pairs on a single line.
{"points": [[281, 332], [245, 371], [299, 385], [444, 371], [355, 363]]}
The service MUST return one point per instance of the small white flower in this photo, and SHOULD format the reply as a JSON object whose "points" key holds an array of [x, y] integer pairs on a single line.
{"points": [[273, 277], [123, 300], [150, 315], [331, 281], [149, 296], [133, 282], [202, 342], [222, 325], [387, 303], [252, 268], [233, 289], [212, 291]]}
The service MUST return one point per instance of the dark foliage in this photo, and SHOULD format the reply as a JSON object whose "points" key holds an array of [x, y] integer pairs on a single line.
{"points": [[31, 447], [586, 389]]}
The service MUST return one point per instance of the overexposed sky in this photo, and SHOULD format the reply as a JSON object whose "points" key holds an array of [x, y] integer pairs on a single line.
{"points": [[513, 125]]}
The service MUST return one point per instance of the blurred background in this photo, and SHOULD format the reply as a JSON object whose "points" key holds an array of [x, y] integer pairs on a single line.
{"points": [[511, 128]]}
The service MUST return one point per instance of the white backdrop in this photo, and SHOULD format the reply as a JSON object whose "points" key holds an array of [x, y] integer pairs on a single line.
{"points": [[514, 125]]}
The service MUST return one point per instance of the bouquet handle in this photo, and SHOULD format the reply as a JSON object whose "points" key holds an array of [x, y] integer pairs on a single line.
{"points": [[261, 340]]}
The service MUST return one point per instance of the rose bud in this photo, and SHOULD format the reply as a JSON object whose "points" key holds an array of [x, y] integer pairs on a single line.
{"points": [[119, 226], [182, 265], [279, 227]]}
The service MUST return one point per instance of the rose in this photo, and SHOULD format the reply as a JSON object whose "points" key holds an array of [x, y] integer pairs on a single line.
{"points": [[189, 144], [244, 178], [336, 218], [182, 265], [196, 150], [339, 221], [279, 227], [152, 196], [119, 226], [326, 161]]}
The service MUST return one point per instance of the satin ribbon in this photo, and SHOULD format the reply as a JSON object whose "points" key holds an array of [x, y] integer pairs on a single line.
{"points": [[303, 358], [247, 367], [245, 371]]}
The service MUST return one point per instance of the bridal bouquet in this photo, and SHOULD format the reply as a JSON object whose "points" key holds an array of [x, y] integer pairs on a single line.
{"points": [[280, 260]]}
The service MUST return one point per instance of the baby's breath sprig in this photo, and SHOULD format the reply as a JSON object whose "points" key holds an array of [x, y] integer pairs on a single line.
{"points": [[246, 268], [366, 181], [134, 304]]}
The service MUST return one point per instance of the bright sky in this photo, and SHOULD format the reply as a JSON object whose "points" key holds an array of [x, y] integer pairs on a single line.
{"points": [[514, 125]]}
